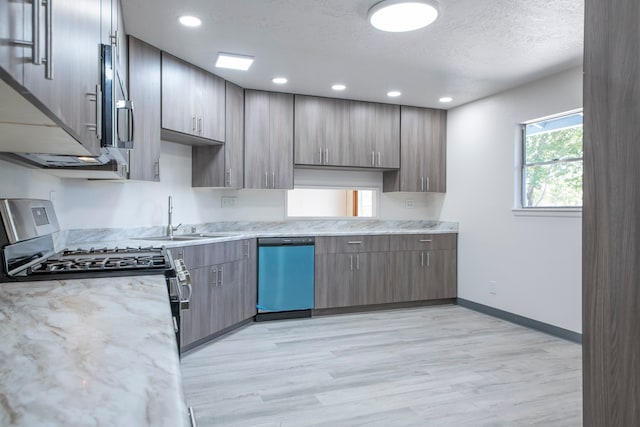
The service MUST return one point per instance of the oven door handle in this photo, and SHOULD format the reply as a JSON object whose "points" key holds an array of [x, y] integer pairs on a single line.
{"points": [[184, 303]]}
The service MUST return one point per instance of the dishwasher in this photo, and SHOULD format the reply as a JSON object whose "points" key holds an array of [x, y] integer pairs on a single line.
{"points": [[285, 277]]}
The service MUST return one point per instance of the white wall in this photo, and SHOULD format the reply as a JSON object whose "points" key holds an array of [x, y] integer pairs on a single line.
{"points": [[535, 261], [98, 204]]}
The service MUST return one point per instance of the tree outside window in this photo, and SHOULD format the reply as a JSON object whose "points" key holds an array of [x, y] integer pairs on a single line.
{"points": [[552, 152]]}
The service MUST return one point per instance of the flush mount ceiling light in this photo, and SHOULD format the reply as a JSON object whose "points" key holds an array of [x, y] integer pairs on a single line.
{"points": [[338, 86], [234, 61], [394, 94], [398, 16], [279, 80], [190, 21], [446, 99]]}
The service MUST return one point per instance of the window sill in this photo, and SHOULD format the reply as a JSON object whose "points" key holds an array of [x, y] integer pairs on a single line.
{"points": [[548, 212]]}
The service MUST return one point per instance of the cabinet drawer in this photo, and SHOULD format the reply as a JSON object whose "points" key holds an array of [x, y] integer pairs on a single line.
{"points": [[352, 244], [417, 242], [197, 256]]}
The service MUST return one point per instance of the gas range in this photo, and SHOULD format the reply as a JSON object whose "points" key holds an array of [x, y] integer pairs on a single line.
{"points": [[27, 254]]}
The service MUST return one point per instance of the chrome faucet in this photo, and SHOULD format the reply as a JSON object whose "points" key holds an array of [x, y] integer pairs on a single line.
{"points": [[171, 228]]}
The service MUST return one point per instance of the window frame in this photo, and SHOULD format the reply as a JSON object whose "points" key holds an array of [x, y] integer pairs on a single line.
{"points": [[521, 208]]}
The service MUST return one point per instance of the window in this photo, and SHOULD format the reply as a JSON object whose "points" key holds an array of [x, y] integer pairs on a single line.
{"points": [[331, 203], [552, 162]]}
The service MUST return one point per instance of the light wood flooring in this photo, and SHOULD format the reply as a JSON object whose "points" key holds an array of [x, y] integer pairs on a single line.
{"points": [[432, 366]]}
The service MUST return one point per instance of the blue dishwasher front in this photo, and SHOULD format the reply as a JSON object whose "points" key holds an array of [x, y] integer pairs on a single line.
{"points": [[285, 277]]}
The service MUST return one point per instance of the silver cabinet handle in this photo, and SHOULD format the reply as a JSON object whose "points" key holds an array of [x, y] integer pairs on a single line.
{"points": [[199, 125], [425, 240], [227, 178], [351, 262], [193, 124], [192, 417], [220, 277], [373, 158], [428, 259], [48, 46], [214, 273], [421, 183], [326, 156], [428, 184], [379, 159], [266, 180], [157, 170], [273, 180], [357, 261], [246, 245], [320, 152], [355, 242], [421, 259]]}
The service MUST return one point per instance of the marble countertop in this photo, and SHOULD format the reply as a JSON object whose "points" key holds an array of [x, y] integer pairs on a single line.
{"points": [[228, 230], [89, 352]]}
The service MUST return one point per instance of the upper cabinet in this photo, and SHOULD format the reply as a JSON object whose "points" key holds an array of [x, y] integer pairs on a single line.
{"points": [[223, 165], [193, 103], [337, 132], [51, 55], [268, 135], [144, 91], [423, 152]]}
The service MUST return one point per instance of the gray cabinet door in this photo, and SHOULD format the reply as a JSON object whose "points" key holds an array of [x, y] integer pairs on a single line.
{"points": [[387, 136], [209, 105], [370, 285], [195, 322], [12, 56], [443, 274], [177, 103], [403, 272], [281, 140], [227, 298], [65, 83], [362, 118], [337, 151], [310, 130], [422, 152], [268, 140], [334, 280], [144, 91]]}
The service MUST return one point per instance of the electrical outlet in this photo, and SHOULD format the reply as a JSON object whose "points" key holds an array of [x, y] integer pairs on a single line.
{"points": [[408, 204], [229, 202], [492, 287]]}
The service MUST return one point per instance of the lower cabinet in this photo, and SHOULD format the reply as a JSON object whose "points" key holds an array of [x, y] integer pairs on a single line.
{"points": [[366, 270], [224, 292]]}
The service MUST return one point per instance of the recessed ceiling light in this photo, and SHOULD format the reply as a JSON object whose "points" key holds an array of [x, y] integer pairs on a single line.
{"points": [[234, 61], [398, 16], [394, 93], [189, 21], [279, 80], [446, 99], [338, 87]]}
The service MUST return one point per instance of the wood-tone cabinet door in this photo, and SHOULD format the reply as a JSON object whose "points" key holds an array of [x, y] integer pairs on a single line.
{"points": [[195, 323], [249, 279], [13, 14], [362, 117], [227, 297], [334, 280], [177, 100], [401, 274], [234, 137], [370, 285], [387, 136], [65, 83], [281, 140], [144, 92], [209, 105], [256, 133], [337, 150], [435, 159], [443, 275], [309, 130]]}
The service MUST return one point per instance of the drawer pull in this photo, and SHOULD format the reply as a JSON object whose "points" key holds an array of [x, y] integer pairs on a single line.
{"points": [[355, 242], [425, 240]]}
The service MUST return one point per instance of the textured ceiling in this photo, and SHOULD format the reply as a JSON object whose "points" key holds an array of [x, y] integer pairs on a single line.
{"points": [[474, 49]]}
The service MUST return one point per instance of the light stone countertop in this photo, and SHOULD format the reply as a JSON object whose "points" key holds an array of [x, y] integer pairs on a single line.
{"points": [[89, 352], [86, 238]]}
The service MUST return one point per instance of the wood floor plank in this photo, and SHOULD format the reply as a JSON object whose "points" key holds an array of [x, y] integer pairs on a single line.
{"points": [[434, 366]]}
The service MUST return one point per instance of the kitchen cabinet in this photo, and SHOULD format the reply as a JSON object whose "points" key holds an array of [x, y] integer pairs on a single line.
{"points": [[350, 271], [422, 267], [224, 280], [321, 134], [268, 140], [223, 165], [193, 103], [423, 152], [336, 132], [144, 91], [60, 72]]}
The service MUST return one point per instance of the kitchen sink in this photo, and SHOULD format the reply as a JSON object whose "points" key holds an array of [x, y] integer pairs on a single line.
{"points": [[182, 237]]}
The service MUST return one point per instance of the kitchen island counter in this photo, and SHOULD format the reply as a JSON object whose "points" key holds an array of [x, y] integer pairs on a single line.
{"points": [[89, 352]]}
